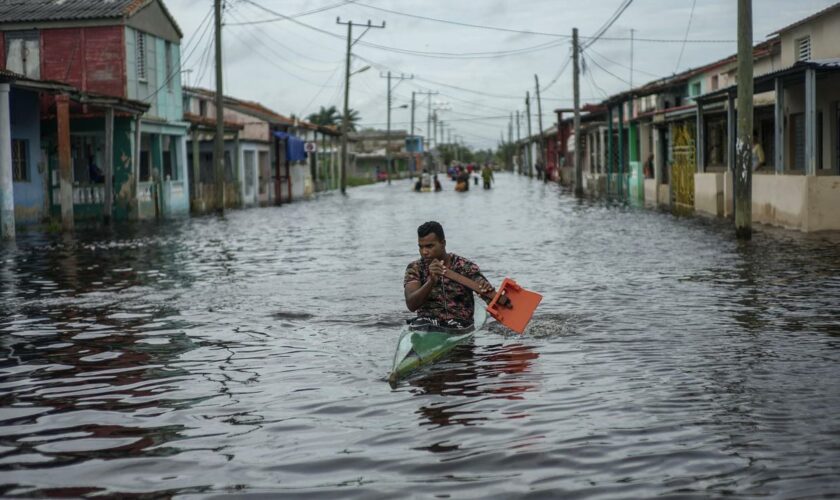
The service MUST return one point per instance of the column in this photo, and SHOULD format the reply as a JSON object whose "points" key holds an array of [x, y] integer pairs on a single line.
{"points": [[700, 140], [196, 165], [810, 122], [779, 128], [62, 112], [730, 132], [620, 149], [109, 164], [7, 193], [610, 153]]}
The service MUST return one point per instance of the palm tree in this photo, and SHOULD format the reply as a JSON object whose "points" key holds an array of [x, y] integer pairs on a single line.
{"points": [[353, 119], [325, 116]]}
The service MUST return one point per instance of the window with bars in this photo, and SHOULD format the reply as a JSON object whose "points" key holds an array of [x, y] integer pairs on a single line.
{"points": [[141, 56], [803, 49], [23, 53], [20, 167]]}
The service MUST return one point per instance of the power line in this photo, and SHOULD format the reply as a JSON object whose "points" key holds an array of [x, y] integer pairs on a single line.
{"points": [[539, 33], [289, 49], [593, 61], [612, 19], [299, 14], [438, 55], [687, 29], [590, 51]]}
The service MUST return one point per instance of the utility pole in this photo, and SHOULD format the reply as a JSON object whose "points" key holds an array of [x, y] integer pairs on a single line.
{"points": [[539, 121], [743, 158], [632, 33], [429, 95], [219, 139], [388, 131], [434, 128], [576, 89], [528, 141], [518, 138], [510, 143], [411, 134], [345, 116]]}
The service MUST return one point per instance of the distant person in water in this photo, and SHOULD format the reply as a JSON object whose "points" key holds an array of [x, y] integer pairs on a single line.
{"points": [[487, 175], [435, 298]]}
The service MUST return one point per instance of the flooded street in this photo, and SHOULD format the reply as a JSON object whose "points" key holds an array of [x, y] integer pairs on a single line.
{"points": [[247, 354]]}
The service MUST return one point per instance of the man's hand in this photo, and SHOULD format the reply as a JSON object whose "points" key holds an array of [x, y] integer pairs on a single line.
{"points": [[436, 270], [487, 290]]}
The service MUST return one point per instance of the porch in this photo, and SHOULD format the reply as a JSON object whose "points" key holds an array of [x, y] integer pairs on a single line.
{"points": [[797, 128]]}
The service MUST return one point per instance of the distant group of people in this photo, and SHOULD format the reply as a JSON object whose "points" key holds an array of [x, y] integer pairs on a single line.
{"points": [[427, 181], [460, 174]]}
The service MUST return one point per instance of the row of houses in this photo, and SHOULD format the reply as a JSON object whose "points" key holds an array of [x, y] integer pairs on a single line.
{"points": [[96, 125], [671, 142]]}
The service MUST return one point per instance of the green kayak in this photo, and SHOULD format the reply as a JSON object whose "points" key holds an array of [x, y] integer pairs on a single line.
{"points": [[421, 346]]}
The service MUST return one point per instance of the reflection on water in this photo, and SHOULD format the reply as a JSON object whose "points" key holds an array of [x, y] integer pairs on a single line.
{"points": [[245, 354]]}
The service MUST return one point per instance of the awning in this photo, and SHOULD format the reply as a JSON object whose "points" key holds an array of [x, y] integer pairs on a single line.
{"points": [[294, 146]]}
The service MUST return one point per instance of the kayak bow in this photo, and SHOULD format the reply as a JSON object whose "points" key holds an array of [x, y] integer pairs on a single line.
{"points": [[418, 347]]}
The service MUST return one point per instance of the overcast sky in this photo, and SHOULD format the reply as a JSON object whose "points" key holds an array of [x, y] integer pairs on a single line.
{"points": [[294, 69]]}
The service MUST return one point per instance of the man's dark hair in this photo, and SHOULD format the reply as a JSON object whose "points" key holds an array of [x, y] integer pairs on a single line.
{"points": [[430, 227]]}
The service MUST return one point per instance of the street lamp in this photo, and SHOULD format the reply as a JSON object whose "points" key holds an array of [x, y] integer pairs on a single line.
{"points": [[360, 70], [388, 140]]}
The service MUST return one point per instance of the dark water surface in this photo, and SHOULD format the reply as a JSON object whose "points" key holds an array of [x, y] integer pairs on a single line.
{"points": [[247, 355]]}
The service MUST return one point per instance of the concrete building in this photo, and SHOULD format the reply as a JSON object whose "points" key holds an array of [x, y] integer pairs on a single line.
{"points": [[125, 49]]}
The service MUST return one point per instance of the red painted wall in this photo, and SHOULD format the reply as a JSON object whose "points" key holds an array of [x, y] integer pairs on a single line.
{"points": [[91, 59]]}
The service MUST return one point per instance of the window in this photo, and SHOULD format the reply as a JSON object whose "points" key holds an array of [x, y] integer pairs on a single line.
{"points": [[170, 160], [695, 89], [265, 170], [20, 170], [798, 139], [250, 169], [170, 77], [23, 53], [145, 158], [803, 49], [715, 83], [716, 147], [86, 155], [202, 107], [141, 56]]}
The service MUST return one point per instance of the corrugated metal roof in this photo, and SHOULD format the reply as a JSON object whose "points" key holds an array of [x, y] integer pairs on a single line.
{"points": [[823, 12], [64, 10]]}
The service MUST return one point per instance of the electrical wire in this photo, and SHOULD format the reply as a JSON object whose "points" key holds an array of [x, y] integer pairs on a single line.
{"points": [[687, 29], [285, 47], [605, 70], [610, 21], [592, 52], [532, 32], [183, 61], [299, 14]]}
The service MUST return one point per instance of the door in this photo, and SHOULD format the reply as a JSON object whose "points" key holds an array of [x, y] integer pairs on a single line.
{"points": [[684, 166]]}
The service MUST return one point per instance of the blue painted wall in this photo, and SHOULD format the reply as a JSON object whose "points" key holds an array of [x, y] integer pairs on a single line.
{"points": [[26, 124]]}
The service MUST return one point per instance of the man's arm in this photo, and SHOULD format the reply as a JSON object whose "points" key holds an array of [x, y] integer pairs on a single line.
{"points": [[417, 293]]}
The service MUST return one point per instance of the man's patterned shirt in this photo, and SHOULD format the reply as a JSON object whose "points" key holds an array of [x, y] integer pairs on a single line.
{"points": [[448, 299]]}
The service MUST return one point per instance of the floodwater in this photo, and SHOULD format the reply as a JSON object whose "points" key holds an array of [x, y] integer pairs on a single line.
{"points": [[247, 355]]}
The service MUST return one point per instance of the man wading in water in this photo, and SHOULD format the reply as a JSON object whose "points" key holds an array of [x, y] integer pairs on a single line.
{"points": [[437, 299]]}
